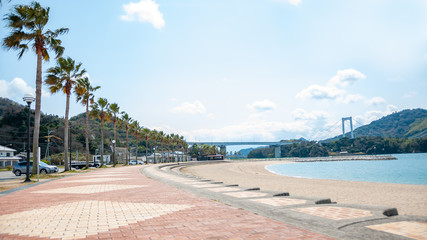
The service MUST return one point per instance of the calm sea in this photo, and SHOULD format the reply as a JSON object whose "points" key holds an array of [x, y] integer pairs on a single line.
{"points": [[407, 169]]}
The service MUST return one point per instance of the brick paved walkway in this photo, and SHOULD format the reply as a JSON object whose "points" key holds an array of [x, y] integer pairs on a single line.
{"points": [[123, 204]]}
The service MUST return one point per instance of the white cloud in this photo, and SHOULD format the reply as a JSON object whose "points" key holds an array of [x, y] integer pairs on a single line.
{"points": [[375, 101], [17, 88], [144, 11], [351, 98], [370, 116], [301, 114], [195, 107], [293, 2], [262, 106], [320, 92], [346, 77], [333, 89]]}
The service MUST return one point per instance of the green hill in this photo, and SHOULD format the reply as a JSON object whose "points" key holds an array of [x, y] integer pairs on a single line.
{"points": [[13, 130], [403, 124], [409, 123]]}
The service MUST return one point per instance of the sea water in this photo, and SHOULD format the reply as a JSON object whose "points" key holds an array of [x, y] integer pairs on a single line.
{"points": [[407, 169]]}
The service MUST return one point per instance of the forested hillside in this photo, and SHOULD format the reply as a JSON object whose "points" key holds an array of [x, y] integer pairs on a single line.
{"points": [[13, 130], [406, 124]]}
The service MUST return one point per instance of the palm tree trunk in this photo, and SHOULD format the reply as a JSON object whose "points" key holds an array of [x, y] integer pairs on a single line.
{"points": [[169, 152], [67, 108], [114, 152], [136, 149], [37, 109], [87, 133], [146, 157], [102, 142], [127, 146]]}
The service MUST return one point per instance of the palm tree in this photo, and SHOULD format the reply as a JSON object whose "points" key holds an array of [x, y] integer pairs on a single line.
{"points": [[125, 121], [85, 96], [168, 140], [183, 145], [153, 135], [63, 77], [176, 141], [27, 23], [161, 136], [114, 109], [185, 148], [146, 133], [99, 110], [136, 129]]}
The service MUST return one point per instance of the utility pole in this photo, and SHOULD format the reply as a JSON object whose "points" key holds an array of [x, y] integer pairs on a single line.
{"points": [[46, 155]]}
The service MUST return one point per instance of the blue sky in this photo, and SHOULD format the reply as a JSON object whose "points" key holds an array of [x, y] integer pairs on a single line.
{"points": [[239, 70]]}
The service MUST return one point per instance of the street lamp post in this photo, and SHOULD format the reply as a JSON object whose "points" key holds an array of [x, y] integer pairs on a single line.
{"points": [[114, 153], [28, 98]]}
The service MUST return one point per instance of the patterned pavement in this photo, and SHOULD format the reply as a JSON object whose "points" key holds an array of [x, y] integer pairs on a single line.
{"points": [[335, 213], [127, 205], [415, 230]]}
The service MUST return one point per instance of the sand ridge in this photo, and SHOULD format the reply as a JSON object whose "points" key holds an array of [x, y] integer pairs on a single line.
{"points": [[408, 199]]}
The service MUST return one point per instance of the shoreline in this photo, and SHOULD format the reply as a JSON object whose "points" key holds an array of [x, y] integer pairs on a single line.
{"points": [[408, 199]]}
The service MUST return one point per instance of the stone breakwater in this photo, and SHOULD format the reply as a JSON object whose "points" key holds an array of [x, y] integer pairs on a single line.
{"points": [[332, 158], [346, 158]]}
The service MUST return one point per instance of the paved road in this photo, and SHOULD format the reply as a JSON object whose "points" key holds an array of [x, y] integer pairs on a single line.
{"points": [[7, 175]]}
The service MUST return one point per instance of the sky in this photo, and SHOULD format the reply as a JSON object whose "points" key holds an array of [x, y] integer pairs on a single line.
{"points": [[237, 70]]}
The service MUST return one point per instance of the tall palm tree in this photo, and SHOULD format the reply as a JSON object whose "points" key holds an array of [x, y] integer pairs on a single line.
{"points": [[146, 133], [100, 111], [27, 24], [154, 135], [176, 142], [161, 137], [136, 130], [125, 121], [85, 95], [168, 141], [185, 148], [183, 145], [114, 109], [63, 77]]}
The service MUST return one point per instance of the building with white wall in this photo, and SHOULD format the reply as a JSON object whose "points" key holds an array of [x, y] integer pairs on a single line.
{"points": [[7, 157]]}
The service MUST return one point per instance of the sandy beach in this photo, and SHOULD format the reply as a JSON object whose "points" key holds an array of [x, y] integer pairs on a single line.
{"points": [[408, 199]]}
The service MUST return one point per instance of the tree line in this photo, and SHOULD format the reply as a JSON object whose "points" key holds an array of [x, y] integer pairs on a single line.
{"points": [[28, 24]]}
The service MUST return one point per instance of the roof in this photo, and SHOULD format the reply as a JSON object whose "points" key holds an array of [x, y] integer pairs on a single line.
{"points": [[6, 149]]}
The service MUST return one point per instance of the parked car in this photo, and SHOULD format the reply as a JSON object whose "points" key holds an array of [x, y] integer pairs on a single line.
{"points": [[134, 162], [21, 168]]}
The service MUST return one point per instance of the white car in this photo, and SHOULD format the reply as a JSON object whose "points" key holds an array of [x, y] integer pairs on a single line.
{"points": [[134, 162]]}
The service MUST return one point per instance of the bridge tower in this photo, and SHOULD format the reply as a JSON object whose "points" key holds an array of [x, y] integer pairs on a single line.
{"points": [[351, 126]]}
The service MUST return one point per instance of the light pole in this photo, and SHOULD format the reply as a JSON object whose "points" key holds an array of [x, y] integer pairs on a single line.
{"points": [[114, 153], [28, 98]]}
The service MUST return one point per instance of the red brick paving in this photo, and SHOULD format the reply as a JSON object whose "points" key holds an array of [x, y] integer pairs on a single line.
{"points": [[206, 219]]}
